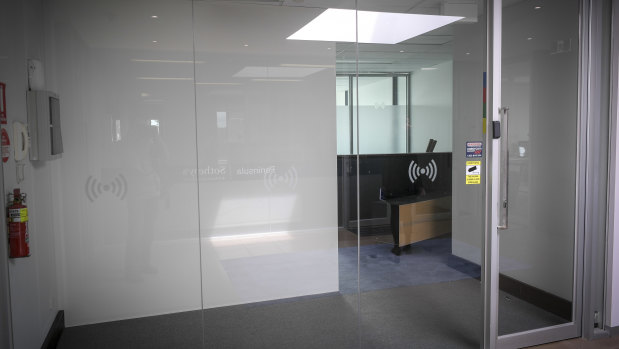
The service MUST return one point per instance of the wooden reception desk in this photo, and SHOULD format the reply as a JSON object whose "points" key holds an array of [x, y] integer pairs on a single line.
{"points": [[419, 217]]}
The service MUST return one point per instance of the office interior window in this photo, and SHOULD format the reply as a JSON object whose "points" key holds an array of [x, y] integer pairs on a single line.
{"points": [[383, 108]]}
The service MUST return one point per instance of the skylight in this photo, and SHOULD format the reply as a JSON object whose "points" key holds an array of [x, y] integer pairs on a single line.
{"points": [[374, 27]]}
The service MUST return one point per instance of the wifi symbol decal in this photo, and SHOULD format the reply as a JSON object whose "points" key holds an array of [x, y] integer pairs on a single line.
{"points": [[289, 178], [94, 188], [414, 171]]}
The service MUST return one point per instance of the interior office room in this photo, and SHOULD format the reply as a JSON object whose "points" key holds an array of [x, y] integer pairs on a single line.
{"points": [[308, 173]]}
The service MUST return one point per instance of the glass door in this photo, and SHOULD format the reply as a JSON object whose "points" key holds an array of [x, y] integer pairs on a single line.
{"points": [[537, 240]]}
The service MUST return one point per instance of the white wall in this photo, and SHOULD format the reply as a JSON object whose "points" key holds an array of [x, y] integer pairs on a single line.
{"points": [[33, 280]]}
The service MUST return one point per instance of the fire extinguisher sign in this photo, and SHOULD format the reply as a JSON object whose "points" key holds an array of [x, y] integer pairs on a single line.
{"points": [[4, 145], [2, 103]]}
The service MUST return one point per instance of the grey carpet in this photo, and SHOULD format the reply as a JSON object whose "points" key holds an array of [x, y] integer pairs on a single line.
{"points": [[441, 315]]}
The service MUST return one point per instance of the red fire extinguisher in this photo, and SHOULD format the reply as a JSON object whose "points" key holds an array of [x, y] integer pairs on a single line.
{"points": [[18, 226]]}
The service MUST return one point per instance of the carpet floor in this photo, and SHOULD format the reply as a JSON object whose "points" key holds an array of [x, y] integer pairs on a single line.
{"points": [[425, 262], [440, 315], [425, 298]]}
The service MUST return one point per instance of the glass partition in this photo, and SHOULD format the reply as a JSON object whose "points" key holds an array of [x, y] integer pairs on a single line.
{"points": [[239, 187], [266, 128], [419, 272], [125, 205]]}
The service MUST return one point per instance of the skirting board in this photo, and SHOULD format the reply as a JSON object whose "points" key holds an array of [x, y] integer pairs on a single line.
{"points": [[53, 335], [540, 298], [531, 294]]}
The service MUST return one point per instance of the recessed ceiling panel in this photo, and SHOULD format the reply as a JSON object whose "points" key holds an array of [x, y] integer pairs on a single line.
{"points": [[339, 25]]}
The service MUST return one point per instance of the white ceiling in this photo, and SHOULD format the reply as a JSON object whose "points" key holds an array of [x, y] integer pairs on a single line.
{"points": [[125, 24]]}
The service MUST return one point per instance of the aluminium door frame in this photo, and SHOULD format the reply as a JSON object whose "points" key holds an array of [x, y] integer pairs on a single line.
{"points": [[613, 222], [490, 260], [582, 243], [595, 79]]}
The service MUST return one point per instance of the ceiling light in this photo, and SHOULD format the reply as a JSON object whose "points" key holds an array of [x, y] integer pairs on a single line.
{"points": [[275, 80], [468, 53], [401, 51], [373, 27], [154, 78], [430, 68], [246, 45], [307, 65], [154, 16], [537, 7], [155, 41], [163, 61], [218, 83], [276, 72], [353, 61]]}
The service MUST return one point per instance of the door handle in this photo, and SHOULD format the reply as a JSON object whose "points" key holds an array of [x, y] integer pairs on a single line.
{"points": [[504, 175]]}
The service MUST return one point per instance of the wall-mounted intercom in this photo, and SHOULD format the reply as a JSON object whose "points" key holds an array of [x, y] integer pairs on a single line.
{"points": [[44, 125]]}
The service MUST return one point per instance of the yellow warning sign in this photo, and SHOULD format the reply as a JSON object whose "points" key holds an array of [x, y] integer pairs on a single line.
{"points": [[473, 172]]}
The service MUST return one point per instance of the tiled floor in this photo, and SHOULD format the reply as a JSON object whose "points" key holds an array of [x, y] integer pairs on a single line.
{"points": [[579, 343]]}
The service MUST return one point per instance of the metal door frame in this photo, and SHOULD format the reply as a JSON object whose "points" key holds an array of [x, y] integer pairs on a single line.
{"points": [[584, 297], [612, 176]]}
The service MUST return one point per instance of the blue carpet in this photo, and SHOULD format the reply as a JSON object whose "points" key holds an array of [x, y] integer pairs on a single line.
{"points": [[426, 262]]}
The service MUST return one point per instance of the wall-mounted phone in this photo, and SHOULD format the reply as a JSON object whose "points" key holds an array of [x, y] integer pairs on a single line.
{"points": [[21, 142]]}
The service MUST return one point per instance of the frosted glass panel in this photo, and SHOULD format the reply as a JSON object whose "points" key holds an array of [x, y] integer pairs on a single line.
{"points": [[266, 118], [402, 90], [343, 130], [343, 112], [382, 130], [383, 115], [432, 108], [375, 91], [127, 210]]}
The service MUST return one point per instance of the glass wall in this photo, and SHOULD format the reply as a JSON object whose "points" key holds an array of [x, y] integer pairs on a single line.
{"points": [[241, 188], [415, 264], [127, 214]]}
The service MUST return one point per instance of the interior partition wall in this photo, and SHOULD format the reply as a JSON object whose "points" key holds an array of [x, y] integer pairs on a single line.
{"points": [[201, 178], [124, 72], [199, 173], [265, 110]]}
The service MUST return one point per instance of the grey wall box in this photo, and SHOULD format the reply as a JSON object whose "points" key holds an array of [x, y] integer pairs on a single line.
{"points": [[44, 125]]}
